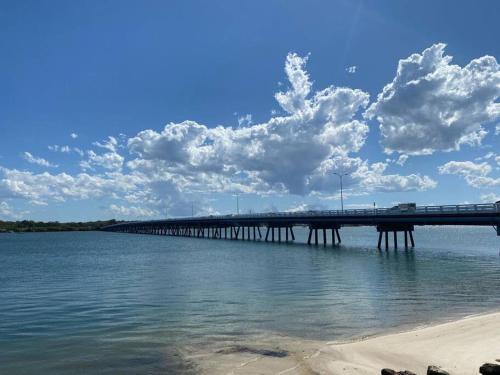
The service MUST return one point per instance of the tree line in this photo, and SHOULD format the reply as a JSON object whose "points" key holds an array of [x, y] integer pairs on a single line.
{"points": [[52, 226]]}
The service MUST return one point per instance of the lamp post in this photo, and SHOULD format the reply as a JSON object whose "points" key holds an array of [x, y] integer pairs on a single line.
{"points": [[341, 175]]}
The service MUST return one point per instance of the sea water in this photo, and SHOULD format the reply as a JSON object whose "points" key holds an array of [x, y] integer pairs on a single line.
{"points": [[109, 303]]}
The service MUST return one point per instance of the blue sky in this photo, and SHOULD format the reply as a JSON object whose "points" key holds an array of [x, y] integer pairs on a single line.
{"points": [[133, 109]]}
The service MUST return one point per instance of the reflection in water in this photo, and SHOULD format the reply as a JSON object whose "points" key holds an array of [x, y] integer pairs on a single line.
{"points": [[115, 303]]}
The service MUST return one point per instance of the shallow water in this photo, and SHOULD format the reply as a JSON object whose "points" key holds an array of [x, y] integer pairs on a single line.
{"points": [[106, 303]]}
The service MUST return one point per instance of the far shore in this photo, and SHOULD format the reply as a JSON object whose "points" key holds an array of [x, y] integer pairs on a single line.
{"points": [[459, 347]]}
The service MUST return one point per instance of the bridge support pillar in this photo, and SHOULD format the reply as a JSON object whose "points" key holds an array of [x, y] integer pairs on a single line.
{"points": [[384, 230], [338, 235], [325, 228]]}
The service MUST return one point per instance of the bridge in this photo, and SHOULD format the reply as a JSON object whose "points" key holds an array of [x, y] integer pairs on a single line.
{"points": [[279, 226]]}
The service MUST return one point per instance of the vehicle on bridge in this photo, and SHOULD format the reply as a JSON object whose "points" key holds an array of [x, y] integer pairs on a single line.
{"points": [[404, 207]]}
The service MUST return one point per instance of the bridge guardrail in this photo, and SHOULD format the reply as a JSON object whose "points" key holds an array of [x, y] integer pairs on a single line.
{"points": [[443, 209]]}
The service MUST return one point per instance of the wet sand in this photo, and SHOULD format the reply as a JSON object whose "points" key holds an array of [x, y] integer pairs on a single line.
{"points": [[459, 347]]}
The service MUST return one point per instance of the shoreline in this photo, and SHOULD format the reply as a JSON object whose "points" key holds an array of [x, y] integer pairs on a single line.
{"points": [[459, 346]]}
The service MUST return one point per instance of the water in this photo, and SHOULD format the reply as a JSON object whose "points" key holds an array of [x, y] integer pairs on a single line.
{"points": [[106, 303]]}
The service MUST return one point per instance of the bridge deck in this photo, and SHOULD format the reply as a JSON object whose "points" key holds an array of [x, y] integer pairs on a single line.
{"points": [[384, 219]]}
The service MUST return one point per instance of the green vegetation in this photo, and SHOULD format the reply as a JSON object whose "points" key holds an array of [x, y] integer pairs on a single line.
{"points": [[51, 226]]}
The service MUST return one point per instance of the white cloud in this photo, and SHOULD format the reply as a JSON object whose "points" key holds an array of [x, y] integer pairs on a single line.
{"points": [[291, 153], [465, 168], [153, 191], [74, 135], [35, 160], [490, 198], [497, 129], [110, 144], [475, 174], [108, 160], [43, 187], [307, 207], [7, 213], [66, 149], [245, 120], [128, 212], [351, 69], [434, 105], [402, 159], [296, 153]]}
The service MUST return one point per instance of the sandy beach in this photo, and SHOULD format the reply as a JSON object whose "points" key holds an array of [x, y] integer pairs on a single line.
{"points": [[459, 347]]}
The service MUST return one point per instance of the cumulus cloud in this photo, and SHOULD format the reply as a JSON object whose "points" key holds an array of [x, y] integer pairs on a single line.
{"points": [[307, 207], [109, 144], [297, 152], [128, 212], [475, 174], [36, 160], [245, 120], [402, 159], [351, 69], [74, 135], [497, 129], [43, 187], [108, 160], [434, 105], [6, 212], [490, 198]]}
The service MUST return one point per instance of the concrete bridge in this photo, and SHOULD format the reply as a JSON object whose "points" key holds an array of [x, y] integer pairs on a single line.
{"points": [[324, 226]]}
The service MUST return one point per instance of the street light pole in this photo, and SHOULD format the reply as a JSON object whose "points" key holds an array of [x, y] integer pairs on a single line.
{"points": [[341, 175], [237, 204]]}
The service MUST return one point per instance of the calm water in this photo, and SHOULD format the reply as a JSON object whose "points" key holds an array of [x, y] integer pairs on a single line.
{"points": [[104, 303]]}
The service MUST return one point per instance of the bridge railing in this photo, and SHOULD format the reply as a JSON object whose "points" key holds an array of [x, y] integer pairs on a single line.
{"points": [[444, 209]]}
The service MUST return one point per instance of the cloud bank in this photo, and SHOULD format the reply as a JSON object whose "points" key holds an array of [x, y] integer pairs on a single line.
{"points": [[432, 105]]}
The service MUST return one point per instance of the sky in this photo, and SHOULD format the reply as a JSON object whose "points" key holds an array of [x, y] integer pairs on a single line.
{"points": [[152, 109]]}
